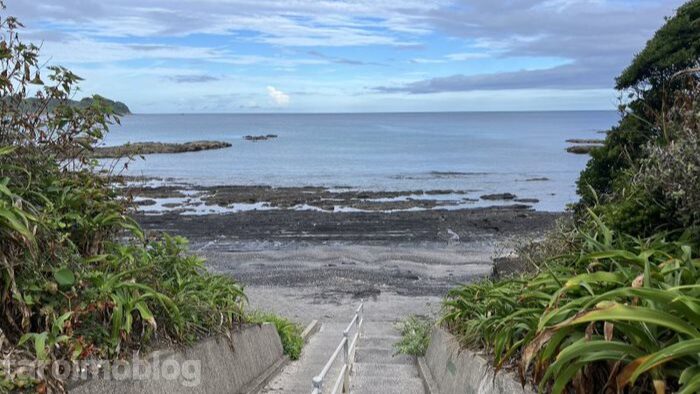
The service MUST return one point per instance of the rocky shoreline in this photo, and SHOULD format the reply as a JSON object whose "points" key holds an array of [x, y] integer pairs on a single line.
{"points": [[582, 149], [145, 148], [321, 258], [584, 146], [193, 200]]}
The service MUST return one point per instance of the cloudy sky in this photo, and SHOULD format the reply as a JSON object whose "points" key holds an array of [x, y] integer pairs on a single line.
{"points": [[343, 55]]}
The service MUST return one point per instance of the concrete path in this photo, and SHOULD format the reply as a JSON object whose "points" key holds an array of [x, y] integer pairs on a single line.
{"points": [[377, 369], [296, 376]]}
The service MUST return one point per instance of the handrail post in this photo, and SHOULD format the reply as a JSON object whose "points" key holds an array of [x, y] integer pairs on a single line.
{"points": [[361, 316], [346, 358], [318, 384]]}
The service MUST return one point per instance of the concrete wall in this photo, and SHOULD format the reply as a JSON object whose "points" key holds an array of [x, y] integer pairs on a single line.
{"points": [[227, 365], [448, 369]]}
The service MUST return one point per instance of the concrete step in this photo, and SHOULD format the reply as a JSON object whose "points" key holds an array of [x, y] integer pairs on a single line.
{"points": [[296, 376], [379, 329], [382, 355], [387, 341], [403, 371], [386, 385]]}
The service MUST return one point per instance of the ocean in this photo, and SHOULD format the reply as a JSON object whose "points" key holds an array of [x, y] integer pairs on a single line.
{"points": [[476, 152]]}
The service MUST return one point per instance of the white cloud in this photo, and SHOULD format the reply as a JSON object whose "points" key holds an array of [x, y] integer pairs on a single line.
{"points": [[277, 22], [278, 97], [465, 56], [422, 60]]}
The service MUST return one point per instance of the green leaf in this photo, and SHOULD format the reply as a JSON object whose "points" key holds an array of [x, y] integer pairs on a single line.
{"points": [[64, 277], [4, 150], [614, 311], [39, 343], [646, 363], [146, 314]]}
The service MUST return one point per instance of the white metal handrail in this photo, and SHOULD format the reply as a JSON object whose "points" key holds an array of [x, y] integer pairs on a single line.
{"points": [[348, 347]]}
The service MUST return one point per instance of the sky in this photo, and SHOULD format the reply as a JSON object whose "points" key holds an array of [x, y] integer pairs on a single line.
{"points": [[249, 56]]}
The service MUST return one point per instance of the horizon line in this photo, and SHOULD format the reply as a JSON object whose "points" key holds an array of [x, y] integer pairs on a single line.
{"points": [[370, 113]]}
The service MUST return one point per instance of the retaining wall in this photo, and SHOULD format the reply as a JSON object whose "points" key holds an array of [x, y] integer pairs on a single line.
{"points": [[238, 364], [448, 369]]}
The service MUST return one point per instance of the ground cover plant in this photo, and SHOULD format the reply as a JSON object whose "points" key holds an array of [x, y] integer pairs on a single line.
{"points": [[289, 332], [624, 314], [415, 335]]}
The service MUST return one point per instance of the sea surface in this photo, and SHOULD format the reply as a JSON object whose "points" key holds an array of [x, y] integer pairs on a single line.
{"points": [[477, 152]]}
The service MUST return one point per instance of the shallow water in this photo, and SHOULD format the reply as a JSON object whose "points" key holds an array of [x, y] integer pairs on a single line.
{"points": [[480, 153]]}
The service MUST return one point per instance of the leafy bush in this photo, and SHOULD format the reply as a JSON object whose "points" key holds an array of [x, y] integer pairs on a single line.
{"points": [[672, 170], [415, 335], [622, 313], [289, 332], [78, 277], [651, 85]]}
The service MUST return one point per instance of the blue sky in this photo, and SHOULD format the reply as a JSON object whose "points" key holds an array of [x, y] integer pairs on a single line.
{"points": [[171, 56]]}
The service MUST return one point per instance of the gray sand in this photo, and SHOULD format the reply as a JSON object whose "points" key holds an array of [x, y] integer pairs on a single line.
{"points": [[326, 281], [318, 265]]}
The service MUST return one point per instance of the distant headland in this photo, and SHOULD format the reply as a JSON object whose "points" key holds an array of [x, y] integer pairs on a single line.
{"points": [[118, 107]]}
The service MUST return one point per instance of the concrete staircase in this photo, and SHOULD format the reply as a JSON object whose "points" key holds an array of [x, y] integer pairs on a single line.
{"points": [[296, 377], [377, 369]]}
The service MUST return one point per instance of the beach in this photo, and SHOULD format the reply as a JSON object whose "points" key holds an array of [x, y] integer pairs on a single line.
{"points": [[300, 255], [395, 209], [314, 212]]}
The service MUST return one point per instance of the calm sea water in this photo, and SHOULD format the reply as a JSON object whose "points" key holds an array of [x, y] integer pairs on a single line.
{"points": [[477, 152]]}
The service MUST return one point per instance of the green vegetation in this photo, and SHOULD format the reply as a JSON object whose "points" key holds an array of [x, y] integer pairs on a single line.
{"points": [[612, 301], [78, 278], [592, 319], [415, 335], [656, 87], [289, 332]]}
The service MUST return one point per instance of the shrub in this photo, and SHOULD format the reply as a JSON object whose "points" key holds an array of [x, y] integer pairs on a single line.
{"points": [[415, 335], [651, 86], [672, 170], [78, 277], [623, 313], [289, 332]]}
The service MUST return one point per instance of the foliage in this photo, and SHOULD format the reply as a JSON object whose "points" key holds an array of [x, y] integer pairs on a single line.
{"points": [[674, 47], [622, 313], [78, 277], [289, 332], [415, 335], [651, 85], [615, 312], [671, 171]]}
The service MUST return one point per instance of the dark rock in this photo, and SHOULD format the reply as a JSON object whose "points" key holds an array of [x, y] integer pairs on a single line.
{"points": [[527, 200], [147, 202], [367, 292], [509, 266], [585, 141], [255, 138], [582, 149], [499, 196]]}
